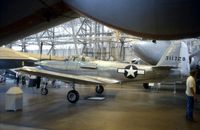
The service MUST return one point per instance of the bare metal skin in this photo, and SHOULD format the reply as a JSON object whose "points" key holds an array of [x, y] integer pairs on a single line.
{"points": [[173, 66]]}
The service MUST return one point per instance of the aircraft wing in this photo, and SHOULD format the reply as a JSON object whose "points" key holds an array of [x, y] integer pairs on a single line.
{"points": [[66, 77], [9, 54]]}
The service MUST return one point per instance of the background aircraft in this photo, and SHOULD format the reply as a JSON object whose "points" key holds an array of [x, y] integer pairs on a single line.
{"points": [[150, 51], [173, 65], [195, 59], [163, 19], [13, 59], [10, 59]]}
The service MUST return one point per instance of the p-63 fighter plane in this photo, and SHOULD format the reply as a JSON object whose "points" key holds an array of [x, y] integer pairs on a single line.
{"points": [[173, 65]]}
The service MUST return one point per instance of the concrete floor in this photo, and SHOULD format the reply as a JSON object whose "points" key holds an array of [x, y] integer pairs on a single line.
{"points": [[129, 108]]}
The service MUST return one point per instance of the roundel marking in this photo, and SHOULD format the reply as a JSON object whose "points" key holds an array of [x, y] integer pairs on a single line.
{"points": [[130, 71]]}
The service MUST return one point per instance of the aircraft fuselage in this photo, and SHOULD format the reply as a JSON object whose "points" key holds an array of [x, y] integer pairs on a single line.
{"points": [[114, 70]]}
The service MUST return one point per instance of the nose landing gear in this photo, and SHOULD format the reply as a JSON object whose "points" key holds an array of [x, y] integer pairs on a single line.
{"points": [[44, 90]]}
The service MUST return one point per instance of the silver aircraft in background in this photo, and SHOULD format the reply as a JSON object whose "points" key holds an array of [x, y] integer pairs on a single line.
{"points": [[173, 65], [150, 51]]}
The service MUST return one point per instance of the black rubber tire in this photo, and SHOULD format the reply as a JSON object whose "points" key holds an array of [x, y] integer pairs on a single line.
{"points": [[72, 96], [146, 85], [99, 89], [44, 91]]}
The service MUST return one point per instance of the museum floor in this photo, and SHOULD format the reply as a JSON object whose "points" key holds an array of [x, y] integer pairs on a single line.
{"points": [[126, 107]]}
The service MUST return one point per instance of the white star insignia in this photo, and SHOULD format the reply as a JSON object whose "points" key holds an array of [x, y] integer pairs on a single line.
{"points": [[131, 71]]}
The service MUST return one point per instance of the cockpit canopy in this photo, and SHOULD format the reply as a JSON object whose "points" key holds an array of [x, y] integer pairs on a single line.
{"points": [[80, 58]]}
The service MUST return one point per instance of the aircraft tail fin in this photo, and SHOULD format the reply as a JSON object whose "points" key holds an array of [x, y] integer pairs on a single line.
{"points": [[176, 56]]}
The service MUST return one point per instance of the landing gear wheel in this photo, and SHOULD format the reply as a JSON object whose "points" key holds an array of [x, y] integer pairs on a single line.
{"points": [[44, 91], [72, 96], [146, 85], [99, 89]]}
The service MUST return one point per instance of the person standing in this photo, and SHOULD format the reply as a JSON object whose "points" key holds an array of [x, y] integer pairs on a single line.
{"points": [[17, 79], [38, 80], [191, 95], [23, 81]]}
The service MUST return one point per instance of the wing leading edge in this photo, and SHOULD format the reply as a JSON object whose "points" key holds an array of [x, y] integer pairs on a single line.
{"points": [[85, 79]]}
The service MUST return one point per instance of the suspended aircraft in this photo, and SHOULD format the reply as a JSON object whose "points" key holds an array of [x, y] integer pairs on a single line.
{"points": [[162, 19], [173, 65]]}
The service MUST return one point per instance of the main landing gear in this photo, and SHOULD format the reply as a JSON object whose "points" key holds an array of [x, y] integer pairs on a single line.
{"points": [[73, 95], [99, 89]]}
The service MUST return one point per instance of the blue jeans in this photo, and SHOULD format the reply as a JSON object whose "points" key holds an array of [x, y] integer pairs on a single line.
{"points": [[189, 108]]}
